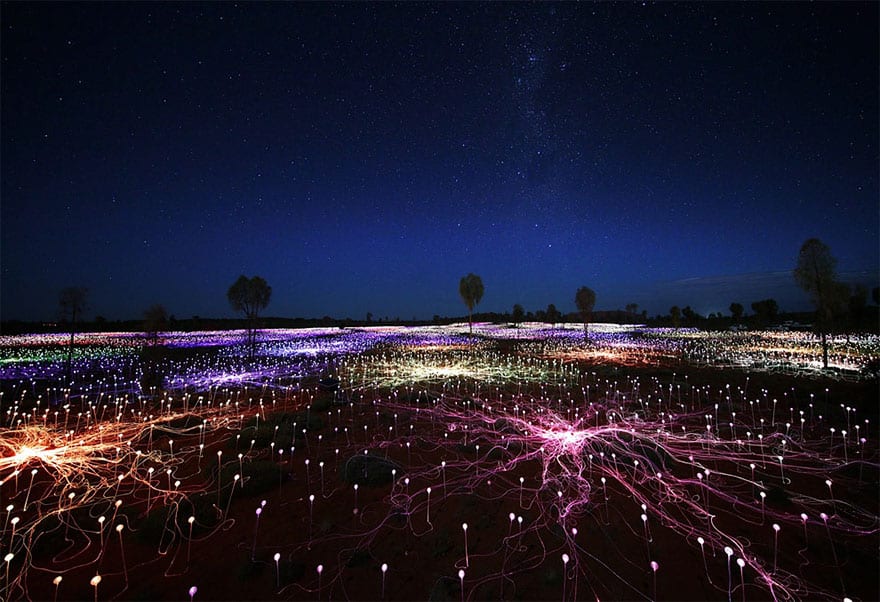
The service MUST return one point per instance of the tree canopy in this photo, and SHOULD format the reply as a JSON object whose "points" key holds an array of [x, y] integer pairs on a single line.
{"points": [[518, 314], [250, 296], [736, 310], [765, 311], [815, 273], [675, 312], [471, 289], [155, 321], [585, 299]]}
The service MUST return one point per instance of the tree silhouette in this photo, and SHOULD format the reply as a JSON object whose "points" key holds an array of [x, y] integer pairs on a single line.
{"points": [[815, 274], [250, 296], [689, 315], [553, 315], [736, 310], [518, 314], [632, 309], [675, 312], [155, 321], [585, 300], [72, 303], [471, 290], [765, 311]]}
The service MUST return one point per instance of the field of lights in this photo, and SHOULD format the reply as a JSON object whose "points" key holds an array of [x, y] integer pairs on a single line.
{"points": [[423, 463]]}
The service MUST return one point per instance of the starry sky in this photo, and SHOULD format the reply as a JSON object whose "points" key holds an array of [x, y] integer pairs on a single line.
{"points": [[363, 157]]}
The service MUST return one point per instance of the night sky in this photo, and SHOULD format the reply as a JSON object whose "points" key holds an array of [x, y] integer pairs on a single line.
{"points": [[363, 157]]}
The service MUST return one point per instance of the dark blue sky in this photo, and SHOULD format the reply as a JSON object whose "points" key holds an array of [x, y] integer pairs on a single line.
{"points": [[363, 157]]}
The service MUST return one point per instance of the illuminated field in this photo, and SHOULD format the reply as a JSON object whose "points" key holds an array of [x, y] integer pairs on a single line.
{"points": [[345, 464]]}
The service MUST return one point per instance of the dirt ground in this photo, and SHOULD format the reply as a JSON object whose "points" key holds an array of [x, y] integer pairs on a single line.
{"points": [[352, 534]]}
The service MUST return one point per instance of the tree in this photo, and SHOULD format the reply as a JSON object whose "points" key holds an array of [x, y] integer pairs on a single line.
{"points": [[736, 310], [815, 274], [632, 309], [470, 288], [250, 296], [689, 315], [585, 300], [72, 303], [155, 321], [518, 314], [553, 315], [675, 312], [765, 311]]}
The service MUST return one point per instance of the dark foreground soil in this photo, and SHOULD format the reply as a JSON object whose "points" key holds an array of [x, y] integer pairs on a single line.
{"points": [[232, 552]]}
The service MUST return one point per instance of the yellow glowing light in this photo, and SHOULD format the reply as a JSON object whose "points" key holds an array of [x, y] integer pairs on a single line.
{"points": [[423, 372]]}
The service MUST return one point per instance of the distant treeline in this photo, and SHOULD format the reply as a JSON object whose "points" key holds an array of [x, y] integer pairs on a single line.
{"points": [[868, 322]]}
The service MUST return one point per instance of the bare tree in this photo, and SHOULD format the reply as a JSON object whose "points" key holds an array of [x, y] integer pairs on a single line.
{"points": [[470, 288], [72, 304], [585, 299], [815, 273], [250, 296]]}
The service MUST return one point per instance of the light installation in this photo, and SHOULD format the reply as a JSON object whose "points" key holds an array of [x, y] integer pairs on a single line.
{"points": [[546, 449]]}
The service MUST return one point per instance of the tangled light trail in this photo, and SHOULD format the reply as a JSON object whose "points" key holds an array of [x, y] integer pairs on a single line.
{"points": [[64, 474], [687, 473], [500, 468]]}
